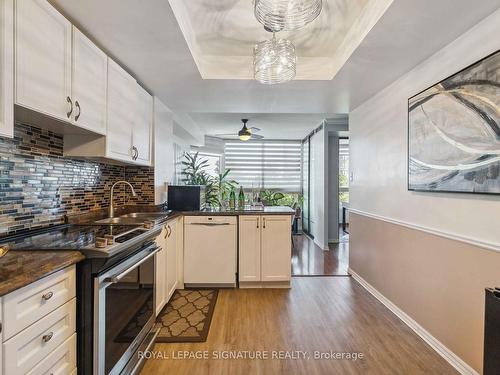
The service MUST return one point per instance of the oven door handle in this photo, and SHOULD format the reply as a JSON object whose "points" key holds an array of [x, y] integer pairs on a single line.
{"points": [[116, 278]]}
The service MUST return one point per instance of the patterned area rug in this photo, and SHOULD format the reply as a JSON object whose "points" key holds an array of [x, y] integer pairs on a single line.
{"points": [[187, 316]]}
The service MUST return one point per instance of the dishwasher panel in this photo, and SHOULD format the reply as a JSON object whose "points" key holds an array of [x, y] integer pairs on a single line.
{"points": [[210, 247]]}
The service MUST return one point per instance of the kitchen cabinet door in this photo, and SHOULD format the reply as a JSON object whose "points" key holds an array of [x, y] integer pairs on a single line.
{"points": [[161, 271], [43, 59], [89, 84], [172, 275], [7, 68], [276, 248], [249, 248], [143, 127], [122, 100]]}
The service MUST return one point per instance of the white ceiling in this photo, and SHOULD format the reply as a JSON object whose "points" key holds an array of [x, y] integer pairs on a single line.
{"points": [[144, 36], [272, 125], [221, 37]]}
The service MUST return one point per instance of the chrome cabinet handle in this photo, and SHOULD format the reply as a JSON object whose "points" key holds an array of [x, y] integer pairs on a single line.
{"points": [[77, 105], [47, 296], [264, 222], [68, 99], [258, 220], [47, 337], [169, 231]]}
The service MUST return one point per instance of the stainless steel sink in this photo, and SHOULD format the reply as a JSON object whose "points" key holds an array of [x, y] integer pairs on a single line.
{"points": [[134, 218], [145, 215], [120, 220]]}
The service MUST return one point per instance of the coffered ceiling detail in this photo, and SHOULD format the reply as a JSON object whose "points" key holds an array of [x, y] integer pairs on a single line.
{"points": [[221, 35]]}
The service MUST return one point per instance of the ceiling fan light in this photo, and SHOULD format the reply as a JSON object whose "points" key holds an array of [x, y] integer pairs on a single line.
{"points": [[244, 137], [287, 15], [244, 134]]}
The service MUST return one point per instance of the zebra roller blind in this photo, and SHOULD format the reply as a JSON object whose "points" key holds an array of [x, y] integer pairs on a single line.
{"points": [[265, 164]]}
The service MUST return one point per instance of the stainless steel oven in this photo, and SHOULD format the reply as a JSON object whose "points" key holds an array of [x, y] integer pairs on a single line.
{"points": [[124, 313]]}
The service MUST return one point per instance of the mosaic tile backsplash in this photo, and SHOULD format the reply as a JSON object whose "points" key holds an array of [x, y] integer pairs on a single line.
{"points": [[39, 186]]}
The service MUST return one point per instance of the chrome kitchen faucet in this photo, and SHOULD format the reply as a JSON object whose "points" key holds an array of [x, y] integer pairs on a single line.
{"points": [[111, 205]]}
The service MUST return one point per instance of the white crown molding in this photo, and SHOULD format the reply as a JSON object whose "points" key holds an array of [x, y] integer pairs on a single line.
{"points": [[449, 235], [454, 360]]}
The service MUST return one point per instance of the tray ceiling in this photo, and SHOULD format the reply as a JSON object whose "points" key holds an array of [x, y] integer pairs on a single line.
{"points": [[221, 36]]}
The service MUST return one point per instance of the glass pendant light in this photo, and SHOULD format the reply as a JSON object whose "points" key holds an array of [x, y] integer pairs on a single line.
{"points": [[286, 15], [274, 61]]}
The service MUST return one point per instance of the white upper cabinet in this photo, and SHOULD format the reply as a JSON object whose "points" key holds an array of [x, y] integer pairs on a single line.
{"points": [[43, 59], [61, 73], [121, 114], [141, 140], [89, 84], [7, 68]]}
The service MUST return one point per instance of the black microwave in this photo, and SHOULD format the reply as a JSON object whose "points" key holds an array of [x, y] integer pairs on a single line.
{"points": [[186, 197]]}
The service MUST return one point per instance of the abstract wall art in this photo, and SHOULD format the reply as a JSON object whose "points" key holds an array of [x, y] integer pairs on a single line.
{"points": [[454, 132]]}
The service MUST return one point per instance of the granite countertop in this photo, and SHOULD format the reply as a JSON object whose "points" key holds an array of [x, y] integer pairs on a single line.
{"points": [[93, 216], [21, 268], [267, 210]]}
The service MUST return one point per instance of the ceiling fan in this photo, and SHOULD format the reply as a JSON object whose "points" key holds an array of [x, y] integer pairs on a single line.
{"points": [[244, 134]]}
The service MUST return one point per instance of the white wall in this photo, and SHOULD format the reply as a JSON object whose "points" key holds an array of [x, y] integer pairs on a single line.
{"points": [[378, 135], [163, 150]]}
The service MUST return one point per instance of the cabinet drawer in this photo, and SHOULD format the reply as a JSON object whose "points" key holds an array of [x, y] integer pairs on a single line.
{"points": [[29, 347], [27, 305], [190, 220], [61, 361]]}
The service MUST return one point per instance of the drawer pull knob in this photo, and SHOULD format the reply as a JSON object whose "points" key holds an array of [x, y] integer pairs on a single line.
{"points": [[47, 337], [47, 296]]}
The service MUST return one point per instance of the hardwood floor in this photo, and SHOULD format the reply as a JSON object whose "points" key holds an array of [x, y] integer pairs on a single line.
{"points": [[308, 259], [318, 314]]}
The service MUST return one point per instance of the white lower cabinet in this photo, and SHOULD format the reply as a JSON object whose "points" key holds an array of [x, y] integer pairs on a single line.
{"points": [[27, 305], [39, 327], [161, 271], [167, 263], [171, 258], [61, 361], [265, 249], [249, 249], [29, 347]]}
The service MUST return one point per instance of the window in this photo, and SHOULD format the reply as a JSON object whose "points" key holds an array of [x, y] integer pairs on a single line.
{"points": [[343, 170], [273, 165], [214, 163]]}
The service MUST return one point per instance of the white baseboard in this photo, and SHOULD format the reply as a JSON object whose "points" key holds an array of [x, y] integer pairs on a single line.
{"points": [[454, 360]]}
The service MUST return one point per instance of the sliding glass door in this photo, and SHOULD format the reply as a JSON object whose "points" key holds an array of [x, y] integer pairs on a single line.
{"points": [[305, 185]]}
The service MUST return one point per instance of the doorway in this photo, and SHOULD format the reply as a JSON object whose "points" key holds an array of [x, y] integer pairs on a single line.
{"points": [[308, 259]]}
